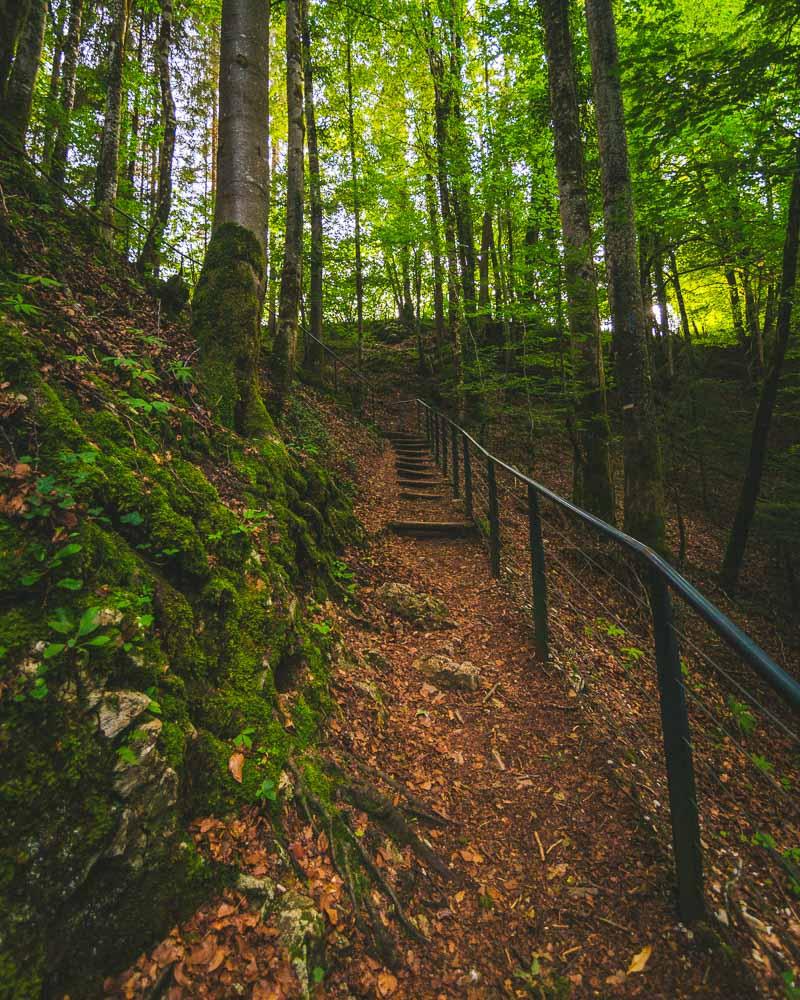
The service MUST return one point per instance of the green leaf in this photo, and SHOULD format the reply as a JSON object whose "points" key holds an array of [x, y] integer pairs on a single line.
{"points": [[89, 622], [134, 519], [28, 579], [154, 707], [99, 640], [69, 550], [70, 583], [127, 755], [62, 623], [53, 649]]}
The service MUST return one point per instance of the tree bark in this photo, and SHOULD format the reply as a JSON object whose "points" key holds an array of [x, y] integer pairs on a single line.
{"points": [[106, 177], [227, 306], [284, 350], [676, 284], [13, 14], [748, 497], [314, 352], [592, 486], [644, 491], [150, 257], [436, 258], [663, 314], [19, 102], [351, 139]]}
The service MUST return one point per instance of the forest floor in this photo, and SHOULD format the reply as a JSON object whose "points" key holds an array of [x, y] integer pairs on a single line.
{"points": [[559, 887]]}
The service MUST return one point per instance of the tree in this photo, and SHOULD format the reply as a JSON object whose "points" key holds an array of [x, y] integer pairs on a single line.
{"points": [[23, 74], [314, 354], [150, 256], [748, 497], [285, 347], [13, 14], [644, 499], [107, 174], [58, 163], [227, 306], [351, 145], [592, 475]]}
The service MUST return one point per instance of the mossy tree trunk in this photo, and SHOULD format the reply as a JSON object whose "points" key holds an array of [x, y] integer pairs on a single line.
{"points": [[644, 490], [227, 306], [592, 486], [17, 111], [314, 351], [351, 142], [284, 349]]}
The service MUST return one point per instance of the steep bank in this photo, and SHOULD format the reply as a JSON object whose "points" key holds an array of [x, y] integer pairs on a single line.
{"points": [[158, 585]]}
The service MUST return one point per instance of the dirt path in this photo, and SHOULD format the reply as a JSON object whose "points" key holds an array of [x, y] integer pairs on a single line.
{"points": [[558, 885]]}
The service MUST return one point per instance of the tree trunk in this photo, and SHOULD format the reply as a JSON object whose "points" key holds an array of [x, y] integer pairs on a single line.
{"points": [[748, 497], [644, 491], [284, 349], [106, 177], [756, 344], [436, 255], [17, 111], [592, 486], [676, 284], [227, 306], [150, 257], [13, 14], [314, 352], [484, 308], [663, 313], [351, 136], [51, 118]]}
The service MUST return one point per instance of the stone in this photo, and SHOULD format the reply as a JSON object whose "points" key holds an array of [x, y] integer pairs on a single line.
{"points": [[149, 791], [302, 932], [420, 609], [448, 674], [376, 659], [119, 709]]}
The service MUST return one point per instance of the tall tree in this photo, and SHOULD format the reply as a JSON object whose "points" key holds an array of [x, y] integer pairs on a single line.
{"points": [[592, 474], [150, 256], [351, 143], [12, 21], [285, 347], [58, 163], [226, 312], [22, 81], [106, 176], [314, 354], [644, 492], [748, 497]]}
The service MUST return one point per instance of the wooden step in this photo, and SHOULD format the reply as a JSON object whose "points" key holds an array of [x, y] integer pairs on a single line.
{"points": [[419, 474], [413, 495], [412, 451], [433, 529], [403, 438], [415, 484], [408, 463]]}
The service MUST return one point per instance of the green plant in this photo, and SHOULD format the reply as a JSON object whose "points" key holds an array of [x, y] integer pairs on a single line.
{"points": [[79, 636], [742, 716], [146, 405], [245, 738], [267, 790], [132, 367], [763, 765], [631, 656], [47, 565], [790, 985], [611, 629], [181, 372]]}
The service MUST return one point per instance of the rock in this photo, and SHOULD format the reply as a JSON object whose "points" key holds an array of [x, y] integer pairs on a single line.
{"points": [[261, 888], [119, 709], [302, 932], [149, 790], [376, 659], [421, 609], [448, 674]]}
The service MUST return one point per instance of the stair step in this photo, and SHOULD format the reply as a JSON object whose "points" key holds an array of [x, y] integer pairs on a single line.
{"points": [[415, 484], [419, 474], [412, 451], [405, 463], [429, 529], [414, 495], [405, 438]]}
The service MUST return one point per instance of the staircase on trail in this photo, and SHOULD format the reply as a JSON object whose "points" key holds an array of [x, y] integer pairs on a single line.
{"points": [[424, 492]]}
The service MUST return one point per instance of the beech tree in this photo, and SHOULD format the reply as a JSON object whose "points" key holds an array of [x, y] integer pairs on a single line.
{"points": [[227, 306]]}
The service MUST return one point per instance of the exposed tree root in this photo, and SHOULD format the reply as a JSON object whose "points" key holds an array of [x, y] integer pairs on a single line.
{"points": [[413, 804]]}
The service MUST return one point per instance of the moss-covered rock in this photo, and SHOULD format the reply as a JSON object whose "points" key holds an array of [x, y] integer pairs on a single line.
{"points": [[143, 619]]}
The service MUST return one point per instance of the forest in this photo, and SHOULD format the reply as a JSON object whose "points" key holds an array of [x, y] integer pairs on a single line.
{"points": [[399, 499]]}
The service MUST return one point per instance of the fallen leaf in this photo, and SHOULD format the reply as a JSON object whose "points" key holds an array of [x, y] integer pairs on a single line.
{"points": [[235, 765], [638, 962], [387, 984]]}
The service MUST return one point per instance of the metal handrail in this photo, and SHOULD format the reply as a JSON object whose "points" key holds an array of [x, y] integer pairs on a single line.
{"points": [[452, 448], [761, 662]]}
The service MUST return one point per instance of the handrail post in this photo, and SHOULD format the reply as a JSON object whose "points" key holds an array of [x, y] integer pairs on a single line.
{"points": [[678, 754], [419, 416], [454, 463], [436, 438], [467, 479], [445, 436], [494, 519], [335, 373], [538, 576], [428, 426]]}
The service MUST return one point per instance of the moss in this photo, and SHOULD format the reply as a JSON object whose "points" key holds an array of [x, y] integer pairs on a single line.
{"points": [[226, 321]]}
